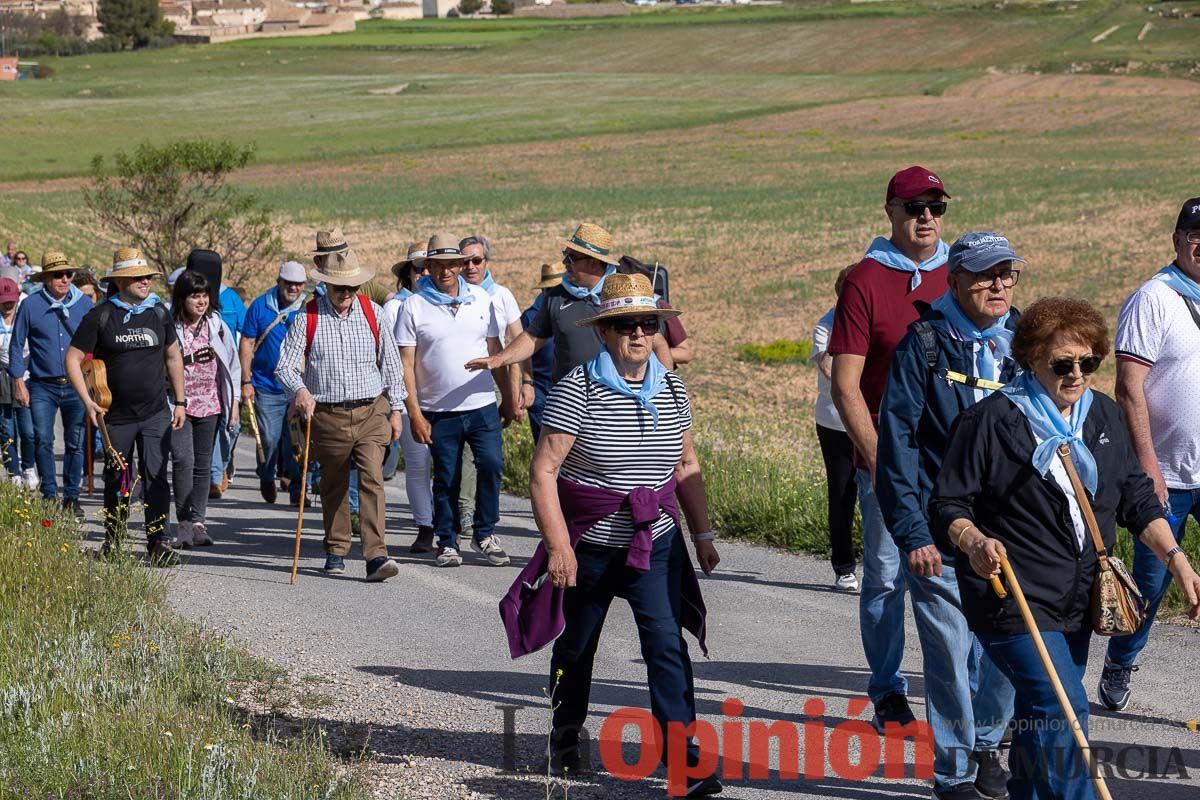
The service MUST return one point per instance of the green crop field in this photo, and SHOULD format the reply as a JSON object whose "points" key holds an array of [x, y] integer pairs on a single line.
{"points": [[747, 148]]}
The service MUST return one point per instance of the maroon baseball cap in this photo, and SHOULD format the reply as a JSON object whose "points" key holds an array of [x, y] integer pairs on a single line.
{"points": [[9, 291], [912, 182]]}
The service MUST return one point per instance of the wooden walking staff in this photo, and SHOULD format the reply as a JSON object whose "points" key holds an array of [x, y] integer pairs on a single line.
{"points": [[303, 496], [1076, 728], [254, 427]]}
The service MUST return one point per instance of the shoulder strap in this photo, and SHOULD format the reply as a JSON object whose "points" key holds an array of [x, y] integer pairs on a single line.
{"points": [[105, 314], [1085, 506], [310, 321], [1191, 310], [369, 312], [928, 342], [278, 319]]}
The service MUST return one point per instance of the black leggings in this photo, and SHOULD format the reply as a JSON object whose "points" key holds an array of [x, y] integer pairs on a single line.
{"points": [[838, 453]]}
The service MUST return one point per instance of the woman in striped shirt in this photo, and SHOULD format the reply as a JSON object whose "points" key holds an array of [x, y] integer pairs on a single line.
{"points": [[616, 449]]}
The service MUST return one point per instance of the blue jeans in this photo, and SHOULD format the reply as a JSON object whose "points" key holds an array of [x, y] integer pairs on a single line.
{"points": [[1152, 577], [16, 434], [1044, 760], [480, 428], [655, 598], [45, 399], [270, 410], [222, 455], [536, 411], [881, 603], [353, 490], [968, 700]]}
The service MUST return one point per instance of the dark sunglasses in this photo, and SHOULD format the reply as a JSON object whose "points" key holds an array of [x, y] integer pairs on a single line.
{"points": [[626, 327], [916, 208], [64, 274], [20, 258], [345, 289], [475, 261], [571, 258], [1063, 367]]}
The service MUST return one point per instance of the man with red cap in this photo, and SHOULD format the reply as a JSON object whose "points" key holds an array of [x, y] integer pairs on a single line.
{"points": [[884, 294]]}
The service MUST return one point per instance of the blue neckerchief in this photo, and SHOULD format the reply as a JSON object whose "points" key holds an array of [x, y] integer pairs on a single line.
{"points": [[63, 307], [886, 253], [487, 284], [602, 370], [987, 361], [132, 311], [1028, 394], [1174, 277], [403, 295], [591, 295], [273, 302], [426, 289]]}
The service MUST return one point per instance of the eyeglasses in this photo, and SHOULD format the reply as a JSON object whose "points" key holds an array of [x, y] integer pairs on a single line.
{"points": [[344, 289], [68, 274], [475, 261], [1007, 279], [626, 327], [571, 258], [1192, 237], [20, 258], [1063, 367], [916, 208]]}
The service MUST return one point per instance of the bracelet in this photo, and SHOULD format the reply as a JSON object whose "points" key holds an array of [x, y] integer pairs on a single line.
{"points": [[707, 536], [527, 381], [1174, 551], [961, 531]]}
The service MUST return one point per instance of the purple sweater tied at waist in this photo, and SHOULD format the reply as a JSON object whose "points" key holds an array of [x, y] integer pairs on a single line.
{"points": [[532, 610]]}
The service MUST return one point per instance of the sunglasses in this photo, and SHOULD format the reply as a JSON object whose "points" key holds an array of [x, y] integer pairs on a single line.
{"points": [[345, 289], [1063, 367], [68, 274], [475, 261], [20, 258], [571, 258], [626, 327], [1008, 279], [916, 208]]}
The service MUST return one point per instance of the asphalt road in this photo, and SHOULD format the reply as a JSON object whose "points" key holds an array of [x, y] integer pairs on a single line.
{"points": [[415, 667]]}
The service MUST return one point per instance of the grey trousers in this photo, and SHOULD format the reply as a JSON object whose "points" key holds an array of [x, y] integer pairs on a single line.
{"points": [[191, 460]]}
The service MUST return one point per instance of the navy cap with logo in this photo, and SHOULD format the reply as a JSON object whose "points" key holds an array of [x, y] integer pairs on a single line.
{"points": [[980, 250], [1189, 216]]}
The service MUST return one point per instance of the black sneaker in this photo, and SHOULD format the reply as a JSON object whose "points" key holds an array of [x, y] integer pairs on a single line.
{"points": [[424, 541], [1114, 690], [334, 565], [381, 568], [892, 709], [268, 491], [703, 787], [991, 780], [959, 791], [71, 505], [162, 555]]}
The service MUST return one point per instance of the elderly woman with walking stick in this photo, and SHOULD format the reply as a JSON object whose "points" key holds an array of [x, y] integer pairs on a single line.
{"points": [[1010, 492], [615, 452]]}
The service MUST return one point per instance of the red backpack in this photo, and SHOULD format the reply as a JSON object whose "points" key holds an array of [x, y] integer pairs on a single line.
{"points": [[311, 324]]}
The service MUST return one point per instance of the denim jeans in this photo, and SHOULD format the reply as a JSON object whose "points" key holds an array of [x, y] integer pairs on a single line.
{"points": [[270, 410], [480, 428], [16, 438], [191, 453], [353, 490], [881, 603], [222, 455], [1152, 577], [968, 700], [1044, 760], [655, 598], [535, 412], [45, 399]]}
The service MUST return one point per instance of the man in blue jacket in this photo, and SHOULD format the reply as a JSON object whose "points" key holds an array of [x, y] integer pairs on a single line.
{"points": [[46, 321], [957, 353]]}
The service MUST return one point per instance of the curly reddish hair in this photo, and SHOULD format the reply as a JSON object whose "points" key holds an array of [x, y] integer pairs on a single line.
{"points": [[1050, 317]]}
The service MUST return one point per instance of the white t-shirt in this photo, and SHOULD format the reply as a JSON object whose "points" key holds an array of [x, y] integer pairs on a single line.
{"points": [[444, 342], [826, 412], [507, 310], [1156, 329]]}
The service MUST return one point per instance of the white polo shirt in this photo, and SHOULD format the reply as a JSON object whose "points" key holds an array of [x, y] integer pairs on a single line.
{"points": [[445, 340], [507, 310], [1156, 329]]}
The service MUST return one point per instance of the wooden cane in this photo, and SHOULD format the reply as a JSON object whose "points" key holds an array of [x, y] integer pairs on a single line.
{"points": [[303, 496], [1076, 729], [254, 427], [89, 456]]}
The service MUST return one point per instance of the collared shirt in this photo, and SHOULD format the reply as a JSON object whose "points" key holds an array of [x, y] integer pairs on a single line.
{"points": [[47, 334], [264, 311], [343, 364]]}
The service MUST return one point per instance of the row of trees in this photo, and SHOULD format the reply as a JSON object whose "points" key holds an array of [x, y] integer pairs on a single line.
{"points": [[126, 24]]}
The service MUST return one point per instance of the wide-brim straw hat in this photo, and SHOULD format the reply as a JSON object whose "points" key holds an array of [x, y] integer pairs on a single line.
{"points": [[628, 296], [341, 269], [552, 275], [53, 261], [330, 241], [442, 247], [415, 258], [594, 241], [128, 262]]}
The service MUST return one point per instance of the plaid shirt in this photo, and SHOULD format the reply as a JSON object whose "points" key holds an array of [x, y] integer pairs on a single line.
{"points": [[342, 365]]}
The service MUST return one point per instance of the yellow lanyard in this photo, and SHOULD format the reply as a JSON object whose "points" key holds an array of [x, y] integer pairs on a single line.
{"points": [[974, 383]]}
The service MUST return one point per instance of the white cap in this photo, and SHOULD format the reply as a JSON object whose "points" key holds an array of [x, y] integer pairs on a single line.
{"points": [[174, 276], [293, 272]]}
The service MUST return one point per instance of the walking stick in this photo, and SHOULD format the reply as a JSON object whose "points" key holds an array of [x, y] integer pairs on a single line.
{"points": [[89, 455], [1076, 729], [254, 427], [303, 496]]}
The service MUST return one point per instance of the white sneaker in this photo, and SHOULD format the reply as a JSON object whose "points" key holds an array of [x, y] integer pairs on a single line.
{"points": [[449, 557], [31, 478], [183, 535], [17, 480], [846, 583], [200, 537], [490, 548]]}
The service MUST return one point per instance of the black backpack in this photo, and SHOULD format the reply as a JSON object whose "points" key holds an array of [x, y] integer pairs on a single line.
{"points": [[656, 272]]}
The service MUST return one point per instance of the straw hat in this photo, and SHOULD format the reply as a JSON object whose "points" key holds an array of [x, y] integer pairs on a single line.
{"points": [[443, 247], [551, 276], [594, 241], [415, 258], [128, 262], [628, 296], [341, 269], [330, 241], [53, 261]]}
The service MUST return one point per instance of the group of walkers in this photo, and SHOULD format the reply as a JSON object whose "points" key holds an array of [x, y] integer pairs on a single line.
{"points": [[967, 432], [961, 423]]}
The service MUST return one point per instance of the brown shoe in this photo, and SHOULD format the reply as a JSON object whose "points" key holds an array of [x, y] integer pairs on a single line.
{"points": [[214, 492], [268, 491], [424, 541], [224, 481]]}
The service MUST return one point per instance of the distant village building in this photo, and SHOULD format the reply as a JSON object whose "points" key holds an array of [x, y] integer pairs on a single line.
{"points": [[8, 68]]}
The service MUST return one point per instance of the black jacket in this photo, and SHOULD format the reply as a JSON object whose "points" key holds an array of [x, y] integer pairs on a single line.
{"points": [[988, 477]]}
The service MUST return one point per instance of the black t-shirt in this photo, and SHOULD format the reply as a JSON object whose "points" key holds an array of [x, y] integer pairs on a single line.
{"points": [[133, 357], [573, 345]]}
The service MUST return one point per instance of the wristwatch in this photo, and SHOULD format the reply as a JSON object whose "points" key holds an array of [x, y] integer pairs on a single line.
{"points": [[181, 402], [247, 383]]}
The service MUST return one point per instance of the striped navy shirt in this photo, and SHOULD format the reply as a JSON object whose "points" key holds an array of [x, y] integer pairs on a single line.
{"points": [[616, 445]]}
